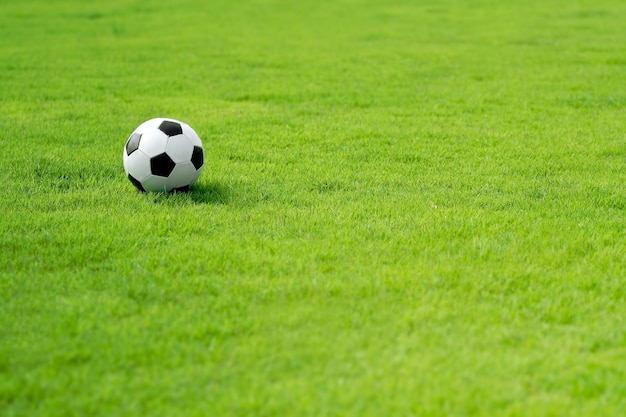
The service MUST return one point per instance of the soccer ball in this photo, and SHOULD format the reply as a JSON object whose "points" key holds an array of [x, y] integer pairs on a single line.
{"points": [[163, 155]]}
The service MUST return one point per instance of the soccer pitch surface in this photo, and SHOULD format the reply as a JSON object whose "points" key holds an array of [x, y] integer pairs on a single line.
{"points": [[407, 208]]}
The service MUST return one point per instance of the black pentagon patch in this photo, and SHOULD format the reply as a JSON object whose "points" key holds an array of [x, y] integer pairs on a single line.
{"points": [[136, 183], [197, 157], [171, 128], [132, 144], [162, 165]]}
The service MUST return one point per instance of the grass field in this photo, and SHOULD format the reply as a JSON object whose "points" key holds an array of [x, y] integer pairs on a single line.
{"points": [[407, 208]]}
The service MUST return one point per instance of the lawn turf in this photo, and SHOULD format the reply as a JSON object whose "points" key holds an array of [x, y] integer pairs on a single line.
{"points": [[407, 208]]}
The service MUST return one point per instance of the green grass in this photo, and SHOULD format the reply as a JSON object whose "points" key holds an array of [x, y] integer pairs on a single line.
{"points": [[407, 208]]}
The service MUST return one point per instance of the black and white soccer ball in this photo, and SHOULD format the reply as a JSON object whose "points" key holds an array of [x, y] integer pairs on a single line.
{"points": [[163, 155]]}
